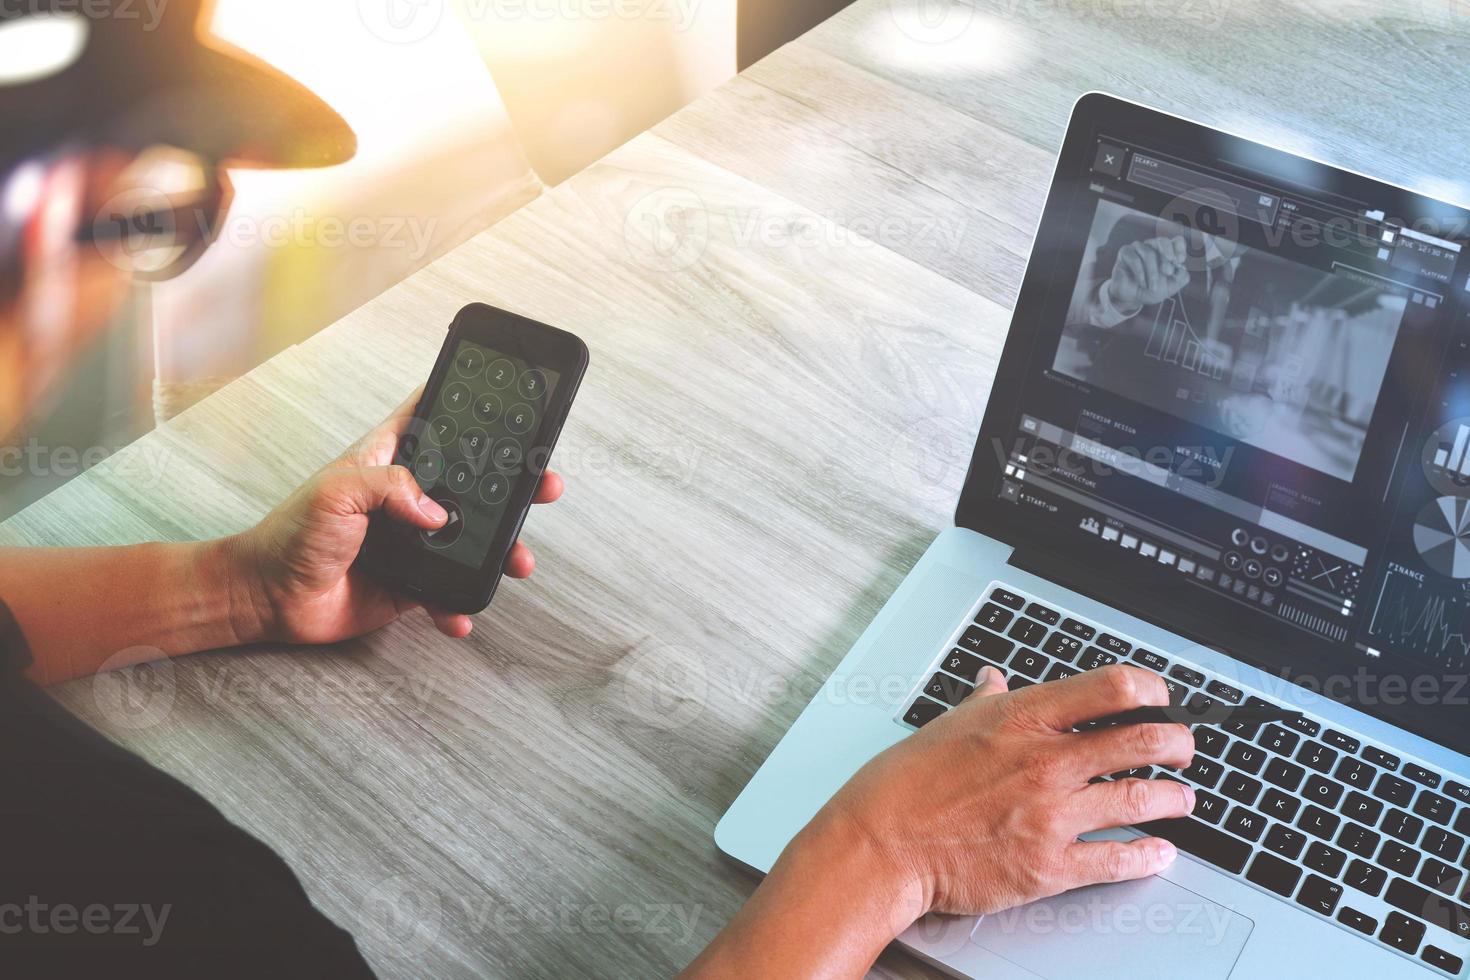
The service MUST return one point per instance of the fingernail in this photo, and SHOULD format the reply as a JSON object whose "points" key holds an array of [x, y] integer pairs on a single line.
{"points": [[987, 674], [1189, 795], [1164, 854], [432, 510]]}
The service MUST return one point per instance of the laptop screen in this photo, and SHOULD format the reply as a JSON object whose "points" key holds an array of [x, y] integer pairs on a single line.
{"points": [[1235, 400]]}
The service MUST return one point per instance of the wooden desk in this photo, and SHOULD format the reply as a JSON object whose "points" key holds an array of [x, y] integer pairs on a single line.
{"points": [[795, 291]]}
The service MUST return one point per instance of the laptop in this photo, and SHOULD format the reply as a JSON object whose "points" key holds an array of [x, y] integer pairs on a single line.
{"points": [[1228, 441]]}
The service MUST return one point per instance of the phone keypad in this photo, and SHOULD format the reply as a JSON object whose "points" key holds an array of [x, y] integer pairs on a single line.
{"points": [[473, 448]]}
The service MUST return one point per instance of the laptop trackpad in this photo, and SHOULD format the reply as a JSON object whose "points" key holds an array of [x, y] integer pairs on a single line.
{"points": [[1136, 930]]}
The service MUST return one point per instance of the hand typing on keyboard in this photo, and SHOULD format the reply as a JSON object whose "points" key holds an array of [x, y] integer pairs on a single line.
{"points": [[978, 812]]}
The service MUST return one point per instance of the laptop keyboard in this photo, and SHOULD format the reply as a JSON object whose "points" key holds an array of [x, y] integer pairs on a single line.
{"points": [[1313, 815]]}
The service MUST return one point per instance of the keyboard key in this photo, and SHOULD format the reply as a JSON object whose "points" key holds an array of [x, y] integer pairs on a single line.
{"points": [[1354, 919], [1398, 858], [1205, 772], [1048, 616], [1305, 725], [1285, 774], [1279, 740], [1095, 658], [1017, 682], [1027, 631], [1060, 672], [1177, 692], [1272, 873], [1319, 895], [1142, 772], [1338, 740], [993, 648], [1150, 660], [1224, 692], [1442, 844], [1318, 822], [1080, 630], [1394, 790], [1397, 823], [1323, 792], [1247, 757], [994, 617], [1285, 841], [1328, 860], [1421, 775], [961, 664], [942, 687], [1437, 957], [1203, 841], [1279, 806], [1358, 839], [1247, 823], [1062, 646], [1462, 821], [1315, 755], [1241, 788], [1435, 807], [1028, 663], [1211, 742], [923, 711], [1440, 876], [1380, 758], [1191, 677], [1402, 932], [1361, 808], [1419, 901], [1114, 644], [1365, 877], [1459, 791], [1247, 729], [1208, 807], [1006, 598], [1201, 706], [1358, 775]]}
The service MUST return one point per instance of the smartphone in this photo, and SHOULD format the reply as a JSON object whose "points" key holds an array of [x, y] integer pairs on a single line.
{"points": [[479, 442]]}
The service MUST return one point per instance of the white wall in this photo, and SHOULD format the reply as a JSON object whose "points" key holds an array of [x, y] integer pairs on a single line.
{"points": [[581, 77]]}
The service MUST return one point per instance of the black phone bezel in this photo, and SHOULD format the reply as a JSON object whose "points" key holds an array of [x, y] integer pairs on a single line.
{"points": [[413, 568]]}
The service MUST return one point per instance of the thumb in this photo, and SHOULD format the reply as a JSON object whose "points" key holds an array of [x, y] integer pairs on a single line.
{"points": [[988, 683], [392, 489]]}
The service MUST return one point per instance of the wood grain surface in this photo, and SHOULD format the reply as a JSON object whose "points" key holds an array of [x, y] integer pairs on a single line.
{"points": [[795, 292]]}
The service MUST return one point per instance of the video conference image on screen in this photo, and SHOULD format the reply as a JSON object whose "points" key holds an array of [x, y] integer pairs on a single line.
{"points": [[1278, 355]]}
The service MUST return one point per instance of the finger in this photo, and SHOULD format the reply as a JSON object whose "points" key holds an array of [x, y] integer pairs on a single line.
{"points": [[1133, 746], [1180, 248], [988, 683], [378, 446], [1131, 266], [550, 489], [1151, 274], [391, 489], [456, 625], [1100, 862], [1129, 802], [1062, 705], [520, 563]]}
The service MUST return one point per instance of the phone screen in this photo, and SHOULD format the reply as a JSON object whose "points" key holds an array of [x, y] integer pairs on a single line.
{"points": [[472, 444]]}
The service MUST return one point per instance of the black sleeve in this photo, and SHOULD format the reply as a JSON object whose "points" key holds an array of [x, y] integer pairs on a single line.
{"points": [[110, 867]]}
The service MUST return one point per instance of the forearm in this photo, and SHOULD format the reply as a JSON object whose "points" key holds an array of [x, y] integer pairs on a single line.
{"points": [[827, 909], [81, 609]]}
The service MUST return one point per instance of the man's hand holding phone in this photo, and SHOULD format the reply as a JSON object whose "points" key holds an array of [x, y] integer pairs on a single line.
{"points": [[294, 578]]}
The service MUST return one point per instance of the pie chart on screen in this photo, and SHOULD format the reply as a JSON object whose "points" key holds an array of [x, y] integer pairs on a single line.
{"points": [[1442, 535]]}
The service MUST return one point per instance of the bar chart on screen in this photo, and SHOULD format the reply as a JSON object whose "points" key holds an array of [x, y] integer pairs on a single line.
{"points": [[1447, 457]]}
